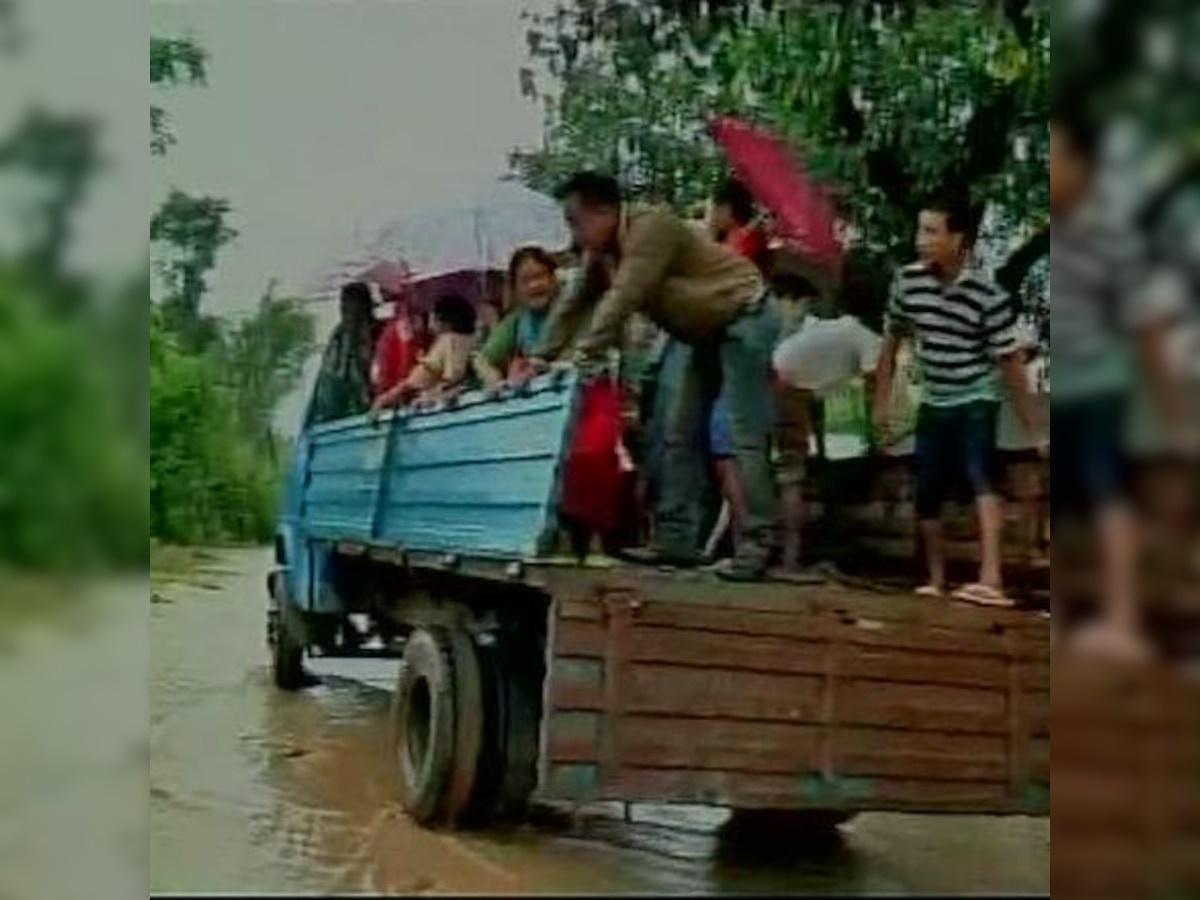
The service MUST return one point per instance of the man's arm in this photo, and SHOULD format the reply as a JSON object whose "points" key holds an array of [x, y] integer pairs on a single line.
{"points": [[897, 327], [1001, 323], [1016, 377], [649, 250], [1153, 301], [885, 376], [1169, 390], [565, 314]]}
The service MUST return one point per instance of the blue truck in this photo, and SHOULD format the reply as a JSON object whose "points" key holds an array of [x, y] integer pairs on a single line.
{"points": [[428, 536]]}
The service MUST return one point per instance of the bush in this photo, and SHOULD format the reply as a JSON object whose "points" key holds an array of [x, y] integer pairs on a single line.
{"points": [[72, 477], [209, 481]]}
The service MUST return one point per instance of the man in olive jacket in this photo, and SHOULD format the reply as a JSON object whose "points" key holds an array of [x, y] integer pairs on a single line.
{"points": [[706, 296]]}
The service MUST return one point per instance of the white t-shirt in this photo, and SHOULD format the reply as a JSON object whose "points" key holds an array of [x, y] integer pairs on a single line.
{"points": [[826, 353]]}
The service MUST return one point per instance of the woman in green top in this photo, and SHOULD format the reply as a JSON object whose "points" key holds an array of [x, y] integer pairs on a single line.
{"points": [[533, 285]]}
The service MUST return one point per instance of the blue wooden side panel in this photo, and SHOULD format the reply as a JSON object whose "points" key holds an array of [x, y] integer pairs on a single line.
{"points": [[478, 480]]}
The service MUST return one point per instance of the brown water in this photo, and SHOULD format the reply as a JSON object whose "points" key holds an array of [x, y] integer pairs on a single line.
{"points": [[255, 791]]}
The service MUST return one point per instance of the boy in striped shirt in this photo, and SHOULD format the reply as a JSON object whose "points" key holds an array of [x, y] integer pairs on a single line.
{"points": [[967, 344], [1111, 313]]}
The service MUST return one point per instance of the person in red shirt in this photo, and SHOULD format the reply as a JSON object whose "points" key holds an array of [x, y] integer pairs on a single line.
{"points": [[399, 348], [732, 221]]}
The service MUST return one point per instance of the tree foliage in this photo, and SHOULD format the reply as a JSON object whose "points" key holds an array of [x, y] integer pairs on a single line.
{"points": [[60, 156], [208, 483], [213, 383], [173, 61], [187, 234], [265, 356], [72, 476], [887, 100]]}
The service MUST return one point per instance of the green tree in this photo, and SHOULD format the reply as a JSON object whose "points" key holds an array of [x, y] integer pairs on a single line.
{"points": [[888, 100], [73, 479], [265, 356], [208, 483], [173, 61], [187, 234], [59, 157]]}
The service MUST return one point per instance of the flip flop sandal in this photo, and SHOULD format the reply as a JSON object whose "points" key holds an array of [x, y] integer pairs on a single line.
{"points": [[982, 595], [930, 590]]}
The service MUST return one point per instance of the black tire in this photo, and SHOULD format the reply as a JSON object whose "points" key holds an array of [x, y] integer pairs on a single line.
{"points": [[287, 647], [781, 831], [469, 729], [489, 771], [522, 695], [423, 726], [506, 773]]}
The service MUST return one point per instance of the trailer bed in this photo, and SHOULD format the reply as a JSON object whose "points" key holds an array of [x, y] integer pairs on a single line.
{"points": [[681, 689]]}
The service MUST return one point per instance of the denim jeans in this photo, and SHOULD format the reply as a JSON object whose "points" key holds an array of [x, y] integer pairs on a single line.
{"points": [[737, 367]]}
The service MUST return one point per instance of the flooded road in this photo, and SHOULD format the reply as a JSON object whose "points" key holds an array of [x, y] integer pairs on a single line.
{"points": [[255, 791]]}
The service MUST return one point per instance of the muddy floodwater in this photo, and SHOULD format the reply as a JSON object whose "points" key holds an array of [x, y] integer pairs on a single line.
{"points": [[255, 791]]}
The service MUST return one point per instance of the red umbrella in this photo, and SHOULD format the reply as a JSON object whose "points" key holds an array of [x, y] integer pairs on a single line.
{"points": [[802, 209]]}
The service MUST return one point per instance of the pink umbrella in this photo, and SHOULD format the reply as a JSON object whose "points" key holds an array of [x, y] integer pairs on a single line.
{"points": [[392, 278], [804, 214]]}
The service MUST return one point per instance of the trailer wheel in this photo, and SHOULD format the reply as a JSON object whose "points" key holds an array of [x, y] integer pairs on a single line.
{"points": [[522, 685], [469, 727], [423, 726], [491, 765], [781, 830], [287, 645], [506, 772]]}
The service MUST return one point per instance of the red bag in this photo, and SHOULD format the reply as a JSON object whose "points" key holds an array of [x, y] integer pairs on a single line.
{"points": [[592, 478]]}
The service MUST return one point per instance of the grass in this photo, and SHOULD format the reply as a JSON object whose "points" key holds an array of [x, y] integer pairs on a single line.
{"points": [[26, 599], [172, 564]]}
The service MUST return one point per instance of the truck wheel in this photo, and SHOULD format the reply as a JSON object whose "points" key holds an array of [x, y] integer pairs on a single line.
{"points": [[287, 647], [506, 773], [469, 728], [423, 725], [490, 768], [522, 727], [769, 830]]}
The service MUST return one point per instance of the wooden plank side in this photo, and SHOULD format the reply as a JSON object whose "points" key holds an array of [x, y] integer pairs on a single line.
{"points": [[782, 749], [922, 707], [712, 704], [581, 638], [697, 592], [863, 632], [799, 656], [750, 791], [709, 693]]}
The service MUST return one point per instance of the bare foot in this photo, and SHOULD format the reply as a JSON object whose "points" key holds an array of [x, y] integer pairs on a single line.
{"points": [[1111, 641]]}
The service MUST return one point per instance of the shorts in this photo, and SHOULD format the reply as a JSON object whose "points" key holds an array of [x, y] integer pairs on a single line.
{"points": [[955, 455], [793, 430], [1089, 469], [720, 432]]}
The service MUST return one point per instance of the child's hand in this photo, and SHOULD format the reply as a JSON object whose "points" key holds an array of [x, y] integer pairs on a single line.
{"points": [[377, 410]]}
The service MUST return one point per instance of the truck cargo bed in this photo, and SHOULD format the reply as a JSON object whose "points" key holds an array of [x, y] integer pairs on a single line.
{"points": [[681, 689]]}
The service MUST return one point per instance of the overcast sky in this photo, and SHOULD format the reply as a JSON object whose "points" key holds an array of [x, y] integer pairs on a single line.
{"points": [[325, 116]]}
